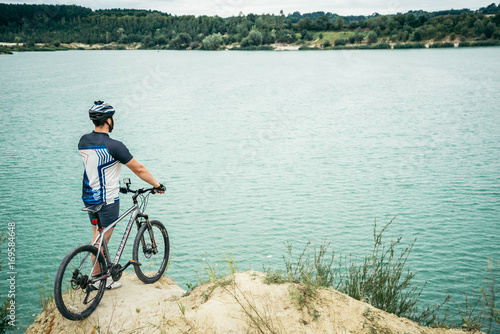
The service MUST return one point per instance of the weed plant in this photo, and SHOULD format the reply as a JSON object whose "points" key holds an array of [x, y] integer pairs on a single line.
{"points": [[224, 279], [382, 279], [4, 302], [214, 273], [316, 269], [489, 293], [470, 314], [46, 295]]}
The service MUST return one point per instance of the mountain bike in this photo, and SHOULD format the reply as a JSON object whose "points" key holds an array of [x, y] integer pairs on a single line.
{"points": [[81, 278]]}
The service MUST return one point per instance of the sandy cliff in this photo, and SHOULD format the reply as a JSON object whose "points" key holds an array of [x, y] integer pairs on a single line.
{"points": [[243, 304]]}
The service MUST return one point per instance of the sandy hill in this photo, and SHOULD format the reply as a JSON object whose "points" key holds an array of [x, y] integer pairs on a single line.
{"points": [[239, 304]]}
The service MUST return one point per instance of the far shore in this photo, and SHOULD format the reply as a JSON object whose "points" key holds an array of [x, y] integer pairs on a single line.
{"points": [[8, 47]]}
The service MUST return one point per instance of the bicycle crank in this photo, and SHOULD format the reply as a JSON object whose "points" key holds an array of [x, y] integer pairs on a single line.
{"points": [[117, 269]]}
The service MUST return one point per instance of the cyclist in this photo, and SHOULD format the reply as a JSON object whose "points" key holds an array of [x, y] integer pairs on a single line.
{"points": [[102, 159]]}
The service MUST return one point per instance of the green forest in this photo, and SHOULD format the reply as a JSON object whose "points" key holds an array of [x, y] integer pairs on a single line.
{"points": [[55, 26]]}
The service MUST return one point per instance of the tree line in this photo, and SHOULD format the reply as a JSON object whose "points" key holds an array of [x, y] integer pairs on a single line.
{"points": [[56, 24]]}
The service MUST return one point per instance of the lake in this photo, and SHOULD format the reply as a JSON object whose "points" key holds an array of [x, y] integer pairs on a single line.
{"points": [[262, 148]]}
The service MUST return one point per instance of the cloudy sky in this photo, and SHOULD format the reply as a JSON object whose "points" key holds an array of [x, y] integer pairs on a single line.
{"points": [[226, 8]]}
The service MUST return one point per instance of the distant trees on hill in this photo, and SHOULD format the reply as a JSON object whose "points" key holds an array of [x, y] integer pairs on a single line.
{"points": [[56, 24]]}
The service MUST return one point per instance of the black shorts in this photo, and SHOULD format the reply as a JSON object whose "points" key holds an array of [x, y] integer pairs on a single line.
{"points": [[108, 214]]}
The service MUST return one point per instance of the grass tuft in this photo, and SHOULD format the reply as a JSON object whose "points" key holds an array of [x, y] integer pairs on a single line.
{"points": [[46, 295], [382, 277], [490, 293]]}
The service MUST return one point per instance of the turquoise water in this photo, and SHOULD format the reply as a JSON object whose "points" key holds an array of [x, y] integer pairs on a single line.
{"points": [[259, 148]]}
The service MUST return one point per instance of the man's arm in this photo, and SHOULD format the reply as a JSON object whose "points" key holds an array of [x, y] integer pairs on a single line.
{"points": [[141, 171]]}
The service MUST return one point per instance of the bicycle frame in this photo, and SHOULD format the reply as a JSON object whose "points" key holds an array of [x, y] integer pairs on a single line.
{"points": [[100, 240], [82, 277]]}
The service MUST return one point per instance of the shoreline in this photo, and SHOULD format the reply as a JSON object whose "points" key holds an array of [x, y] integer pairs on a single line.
{"points": [[9, 48]]}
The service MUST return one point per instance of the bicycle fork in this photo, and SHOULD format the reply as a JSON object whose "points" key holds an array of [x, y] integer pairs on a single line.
{"points": [[150, 231]]}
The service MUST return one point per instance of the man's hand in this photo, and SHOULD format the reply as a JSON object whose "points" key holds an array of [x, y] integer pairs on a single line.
{"points": [[160, 189]]}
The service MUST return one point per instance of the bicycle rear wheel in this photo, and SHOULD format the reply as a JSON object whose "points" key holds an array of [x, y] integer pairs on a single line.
{"points": [[153, 259], [75, 298]]}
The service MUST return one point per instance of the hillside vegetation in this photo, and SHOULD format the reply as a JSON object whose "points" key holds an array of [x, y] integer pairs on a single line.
{"points": [[56, 26]]}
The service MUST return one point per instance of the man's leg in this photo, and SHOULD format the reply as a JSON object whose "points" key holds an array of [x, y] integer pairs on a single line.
{"points": [[110, 283], [107, 236], [107, 215]]}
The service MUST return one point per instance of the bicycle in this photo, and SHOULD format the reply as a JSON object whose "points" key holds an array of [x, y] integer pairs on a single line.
{"points": [[81, 278]]}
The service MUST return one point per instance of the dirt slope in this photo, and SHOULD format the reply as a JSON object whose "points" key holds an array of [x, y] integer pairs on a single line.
{"points": [[243, 304]]}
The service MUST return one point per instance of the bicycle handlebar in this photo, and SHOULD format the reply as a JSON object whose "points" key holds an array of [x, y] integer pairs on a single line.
{"points": [[124, 190]]}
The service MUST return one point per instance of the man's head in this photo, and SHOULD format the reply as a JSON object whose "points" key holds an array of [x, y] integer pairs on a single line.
{"points": [[102, 113]]}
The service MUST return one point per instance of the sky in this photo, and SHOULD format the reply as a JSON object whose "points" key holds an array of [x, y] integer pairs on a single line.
{"points": [[226, 8]]}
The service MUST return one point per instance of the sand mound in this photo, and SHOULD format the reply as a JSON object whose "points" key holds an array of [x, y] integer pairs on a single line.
{"points": [[240, 304]]}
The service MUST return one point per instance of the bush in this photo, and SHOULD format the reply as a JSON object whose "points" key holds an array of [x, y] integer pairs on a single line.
{"points": [[372, 37], [441, 45], [267, 38], [285, 36], [326, 43], [254, 48], [161, 40], [180, 42], [229, 39], [147, 42], [409, 46], [354, 47], [479, 27], [212, 42], [340, 42], [416, 36], [381, 46], [440, 35], [306, 47], [306, 35], [356, 38], [489, 30], [254, 38], [195, 45], [482, 43]]}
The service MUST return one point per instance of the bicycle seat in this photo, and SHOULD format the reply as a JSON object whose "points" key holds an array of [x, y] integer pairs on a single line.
{"points": [[93, 208]]}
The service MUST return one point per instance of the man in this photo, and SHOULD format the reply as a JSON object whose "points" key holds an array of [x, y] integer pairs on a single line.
{"points": [[102, 158]]}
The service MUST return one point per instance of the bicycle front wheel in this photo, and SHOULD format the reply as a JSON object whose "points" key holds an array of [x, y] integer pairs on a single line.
{"points": [[75, 298], [151, 250]]}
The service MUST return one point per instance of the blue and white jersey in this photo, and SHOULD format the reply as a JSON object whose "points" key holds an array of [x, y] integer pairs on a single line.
{"points": [[102, 159]]}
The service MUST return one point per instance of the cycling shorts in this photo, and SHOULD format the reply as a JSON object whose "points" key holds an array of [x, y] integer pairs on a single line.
{"points": [[107, 215]]}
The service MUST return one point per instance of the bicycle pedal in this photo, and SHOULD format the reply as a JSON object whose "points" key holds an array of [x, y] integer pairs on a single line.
{"points": [[131, 262]]}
